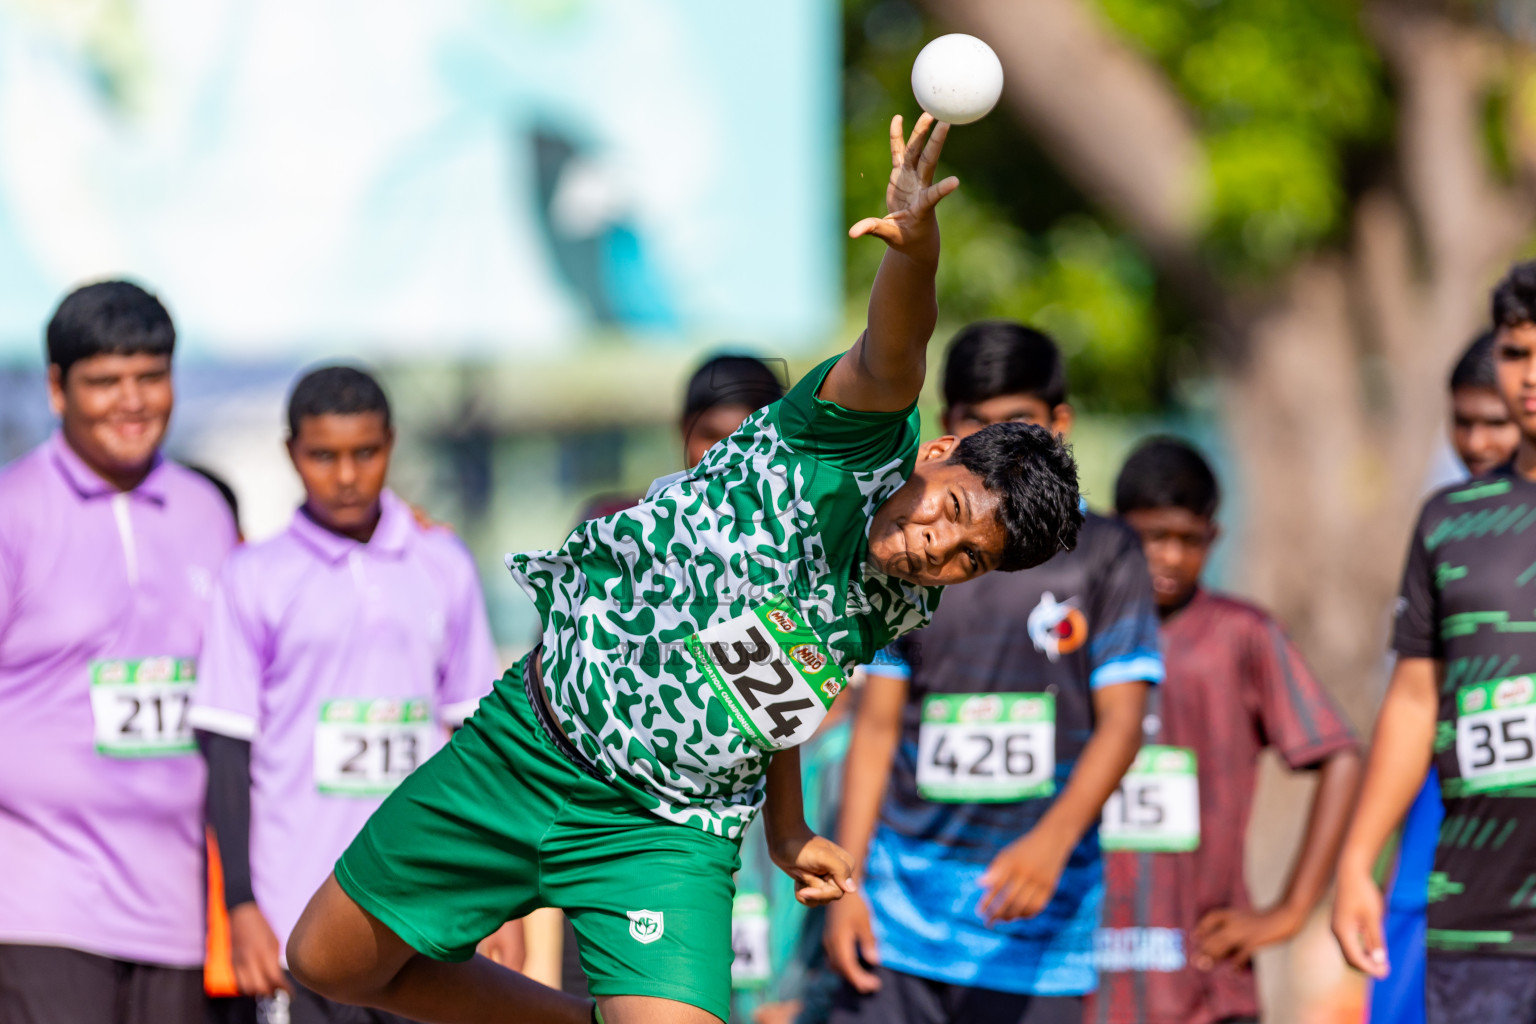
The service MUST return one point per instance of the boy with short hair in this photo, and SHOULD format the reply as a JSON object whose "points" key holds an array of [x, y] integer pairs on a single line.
{"points": [[1179, 930], [690, 644], [339, 654], [1461, 696], [108, 552], [1483, 432], [1002, 727], [1484, 436]]}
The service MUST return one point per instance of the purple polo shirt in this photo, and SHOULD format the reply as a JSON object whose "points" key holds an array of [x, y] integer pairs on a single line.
{"points": [[103, 597], [341, 663]]}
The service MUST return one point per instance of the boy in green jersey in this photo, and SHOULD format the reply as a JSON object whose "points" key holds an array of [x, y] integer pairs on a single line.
{"points": [[690, 643]]}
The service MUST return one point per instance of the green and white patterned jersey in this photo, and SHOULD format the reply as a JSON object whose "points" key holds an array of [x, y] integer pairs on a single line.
{"points": [[771, 527]]}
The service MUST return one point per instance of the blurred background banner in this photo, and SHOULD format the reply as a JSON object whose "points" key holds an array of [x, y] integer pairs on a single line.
{"points": [[301, 178]]}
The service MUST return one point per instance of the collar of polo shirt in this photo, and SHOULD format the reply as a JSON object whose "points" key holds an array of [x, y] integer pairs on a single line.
{"points": [[85, 481], [396, 522]]}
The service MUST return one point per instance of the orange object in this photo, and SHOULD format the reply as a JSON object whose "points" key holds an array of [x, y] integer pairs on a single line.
{"points": [[218, 970]]}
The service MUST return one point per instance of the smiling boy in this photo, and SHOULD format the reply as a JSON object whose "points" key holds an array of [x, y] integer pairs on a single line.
{"points": [[108, 553], [689, 644]]}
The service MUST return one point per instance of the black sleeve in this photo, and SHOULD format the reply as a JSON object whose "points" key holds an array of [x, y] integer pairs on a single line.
{"points": [[228, 810], [1416, 632]]}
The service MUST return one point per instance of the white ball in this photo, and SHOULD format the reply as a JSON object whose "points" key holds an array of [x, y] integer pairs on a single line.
{"points": [[957, 78]]}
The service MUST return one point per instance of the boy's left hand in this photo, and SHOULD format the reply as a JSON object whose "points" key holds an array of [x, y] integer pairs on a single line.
{"points": [[822, 870], [1235, 935], [1022, 878]]}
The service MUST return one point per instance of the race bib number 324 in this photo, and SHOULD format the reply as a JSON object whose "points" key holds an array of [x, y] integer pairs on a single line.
{"points": [[139, 708], [987, 747], [772, 673], [1496, 735], [368, 747]]}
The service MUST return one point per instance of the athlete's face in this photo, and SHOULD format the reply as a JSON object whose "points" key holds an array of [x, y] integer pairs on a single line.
{"points": [[1176, 542], [114, 410], [1482, 431], [941, 527], [707, 428], [1514, 355], [963, 419], [342, 460]]}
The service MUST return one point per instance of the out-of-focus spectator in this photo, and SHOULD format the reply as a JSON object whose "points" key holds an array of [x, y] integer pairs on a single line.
{"points": [[337, 656], [1179, 929], [1485, 436], [108, 554], [1461, 697]]}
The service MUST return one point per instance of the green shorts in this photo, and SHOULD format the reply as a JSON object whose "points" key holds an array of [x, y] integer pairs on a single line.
{"points": [[499, 823]]}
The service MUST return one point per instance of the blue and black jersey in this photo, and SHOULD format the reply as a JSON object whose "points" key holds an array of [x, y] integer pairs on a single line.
{"points": [[1083, 620]]}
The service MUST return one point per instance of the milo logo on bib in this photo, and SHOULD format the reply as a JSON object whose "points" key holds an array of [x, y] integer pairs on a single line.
{"points": [[1495, 736], [139, 707], [771, 672]]}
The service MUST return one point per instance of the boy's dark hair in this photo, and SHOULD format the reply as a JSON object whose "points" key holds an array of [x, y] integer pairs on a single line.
{"points": [[1032, 472], [1164, 472], [108, 318], [343, 390], [1514, 298], [1475, 368], [729, 379], [1000, 357]]}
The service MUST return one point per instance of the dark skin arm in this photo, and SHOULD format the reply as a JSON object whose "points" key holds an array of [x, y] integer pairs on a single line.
{"points": [[1235, 935], [884, 370], [1022, 878], [821, 870], [1400, 756], [877, 729]]}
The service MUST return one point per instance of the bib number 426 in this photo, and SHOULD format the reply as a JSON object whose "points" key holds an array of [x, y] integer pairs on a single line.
{"points": [[986, 747]]}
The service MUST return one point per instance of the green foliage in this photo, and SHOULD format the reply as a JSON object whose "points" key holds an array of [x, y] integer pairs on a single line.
{"points": [[1287, 94], [1019, 242]]}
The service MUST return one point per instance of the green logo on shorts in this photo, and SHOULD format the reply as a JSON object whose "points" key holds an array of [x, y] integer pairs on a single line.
{"points": [[646, 926]]}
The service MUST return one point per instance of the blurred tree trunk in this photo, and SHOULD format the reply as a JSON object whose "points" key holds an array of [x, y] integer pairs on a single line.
{"points": [[1333, 375]]}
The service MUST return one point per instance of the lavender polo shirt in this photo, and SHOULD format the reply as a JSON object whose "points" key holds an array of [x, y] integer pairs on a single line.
{"points": [[341, 663], [103, 597]]}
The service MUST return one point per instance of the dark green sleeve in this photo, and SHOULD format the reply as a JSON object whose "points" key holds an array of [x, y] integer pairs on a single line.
{"points": [[846, 438]]}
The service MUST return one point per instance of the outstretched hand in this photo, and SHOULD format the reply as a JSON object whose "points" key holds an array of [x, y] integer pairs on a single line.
{"points": [[909, 226]]}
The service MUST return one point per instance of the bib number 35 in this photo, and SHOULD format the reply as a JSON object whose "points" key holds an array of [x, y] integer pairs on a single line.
{"points": [[1496, 735]]}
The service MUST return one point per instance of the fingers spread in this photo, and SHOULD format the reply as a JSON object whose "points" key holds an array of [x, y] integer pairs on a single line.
{"points": [[933, 193], [898, 142], [869, 226], [917, 141], [929, 158]]}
